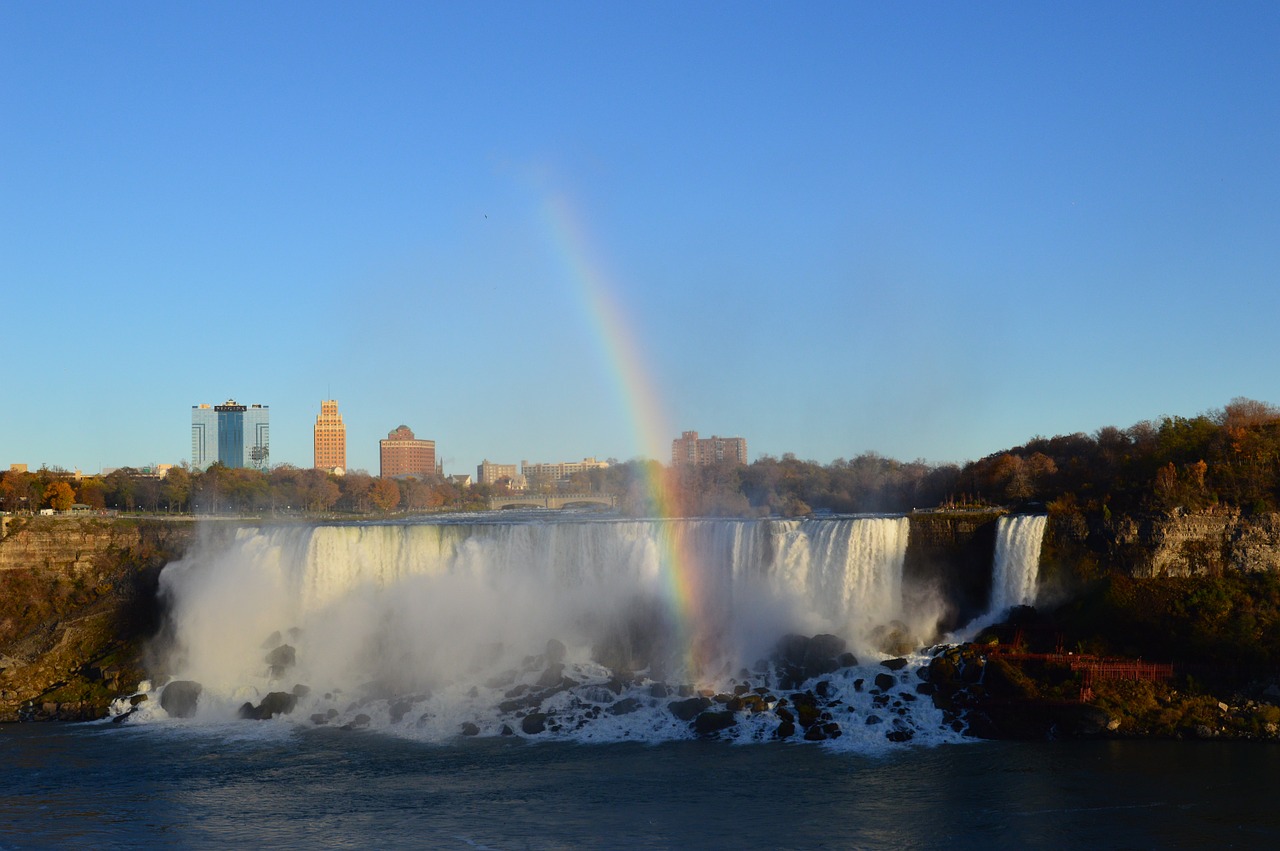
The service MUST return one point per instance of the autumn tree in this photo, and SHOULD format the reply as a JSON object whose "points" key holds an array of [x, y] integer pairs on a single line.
{"points": [[89, 492], [59, 496], [385, 494]]}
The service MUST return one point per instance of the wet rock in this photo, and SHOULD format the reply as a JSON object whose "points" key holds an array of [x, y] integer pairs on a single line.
{"points": [[273, 640], [785, 730], [319, 719], [534, 723], [884, 682], [815, 734], [358, 723], [806, 707], [180, 698], [687, 710], [555, 652], [283, 656], [275, 703], [470, 729], [709, 723], [847, 660], [624, 707], [507, 731], [895, 664], [659, 690], [398, 710], [895, 639]]}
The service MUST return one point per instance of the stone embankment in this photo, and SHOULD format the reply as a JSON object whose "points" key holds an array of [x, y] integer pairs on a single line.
{"points": [[77, 601]]}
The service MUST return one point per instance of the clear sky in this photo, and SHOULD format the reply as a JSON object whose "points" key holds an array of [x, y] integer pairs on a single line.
{"points": [[929, 230]]}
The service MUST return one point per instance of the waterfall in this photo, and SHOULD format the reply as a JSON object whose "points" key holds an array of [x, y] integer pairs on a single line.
{"points": [[463, 619], [1017, 562]]}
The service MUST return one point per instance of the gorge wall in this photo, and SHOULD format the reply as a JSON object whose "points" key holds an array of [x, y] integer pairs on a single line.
{"points": [[77, 600], [1161, 545]]}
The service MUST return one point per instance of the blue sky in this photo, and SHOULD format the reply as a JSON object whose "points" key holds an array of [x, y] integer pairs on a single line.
{"points": [[929, 230]]}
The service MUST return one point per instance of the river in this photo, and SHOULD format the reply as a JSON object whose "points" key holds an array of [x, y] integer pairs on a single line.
{"points": [[278, 785]]}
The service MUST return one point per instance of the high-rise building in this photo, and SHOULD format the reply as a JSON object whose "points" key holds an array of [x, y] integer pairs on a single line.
{"points": [[235, 435], [330, 438], [688, 448], [402, 454], [204, 436]]}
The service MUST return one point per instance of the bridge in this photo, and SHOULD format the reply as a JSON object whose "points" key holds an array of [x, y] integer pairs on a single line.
{"points": [[559, 500]]}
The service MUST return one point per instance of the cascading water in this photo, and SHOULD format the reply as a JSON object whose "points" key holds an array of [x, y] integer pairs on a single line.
{"points": [[562, 628], [1016, 567]]}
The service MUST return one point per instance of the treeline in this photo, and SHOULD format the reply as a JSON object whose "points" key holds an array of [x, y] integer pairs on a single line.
{"points": [[1223, 458], [1228, 458], [223, 490]]}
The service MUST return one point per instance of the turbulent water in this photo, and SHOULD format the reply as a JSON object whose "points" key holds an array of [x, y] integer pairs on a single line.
{"points": [[587, 630]]}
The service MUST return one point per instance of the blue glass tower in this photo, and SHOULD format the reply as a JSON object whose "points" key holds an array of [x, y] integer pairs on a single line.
{"points": [[235, 435]]}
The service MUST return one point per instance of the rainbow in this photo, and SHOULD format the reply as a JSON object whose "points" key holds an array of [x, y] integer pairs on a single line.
{"points": [[645, 412]]}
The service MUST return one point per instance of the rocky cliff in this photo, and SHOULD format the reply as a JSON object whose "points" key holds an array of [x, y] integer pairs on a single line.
{"points": [[77, 601], [1163, 545]]}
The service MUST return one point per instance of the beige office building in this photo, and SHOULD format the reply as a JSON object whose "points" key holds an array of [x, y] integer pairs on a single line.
{"points": [[330, 438], [489, 473], [558, 471]]}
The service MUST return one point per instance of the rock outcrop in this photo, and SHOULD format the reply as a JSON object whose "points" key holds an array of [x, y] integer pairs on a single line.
{"points": [[77, 600]]}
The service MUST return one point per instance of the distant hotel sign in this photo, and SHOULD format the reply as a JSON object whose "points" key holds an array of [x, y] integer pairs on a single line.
{"points": [[229, 408]]}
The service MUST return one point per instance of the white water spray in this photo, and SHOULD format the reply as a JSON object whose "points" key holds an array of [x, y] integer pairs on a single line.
{"points": [[459, 620]]}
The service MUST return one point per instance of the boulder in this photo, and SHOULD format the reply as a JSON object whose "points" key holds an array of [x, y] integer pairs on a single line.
{"points": [[552, 676], [283, 656], [275, 703], [709, 723], [555, 651], [534, 723], [470, 729], [687, 710], [624, 707], [180, 698]]}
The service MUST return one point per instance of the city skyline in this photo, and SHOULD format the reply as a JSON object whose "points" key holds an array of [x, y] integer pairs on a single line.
{"points": [[570, 230]]}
